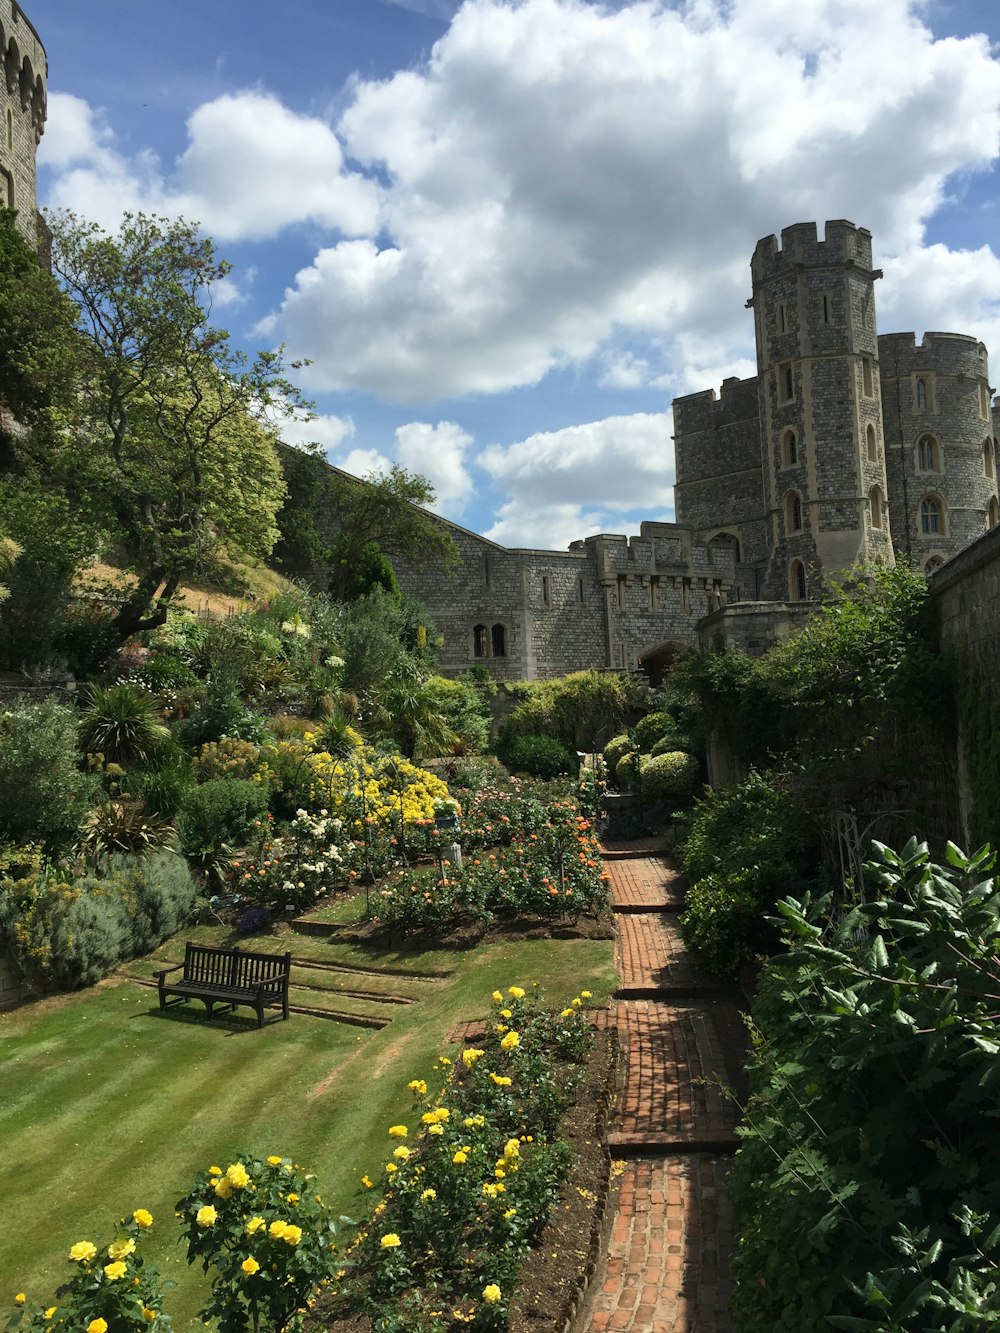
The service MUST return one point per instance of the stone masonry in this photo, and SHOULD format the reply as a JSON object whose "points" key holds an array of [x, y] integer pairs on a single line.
{"points": [[22, 113]]}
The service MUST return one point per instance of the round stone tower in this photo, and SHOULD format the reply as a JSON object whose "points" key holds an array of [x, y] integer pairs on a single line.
{"points": [[940, 451], [22, 114], [822, 436]]}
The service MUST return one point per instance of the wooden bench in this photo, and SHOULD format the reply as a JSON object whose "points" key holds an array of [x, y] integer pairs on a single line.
{"points": [[229, 977]]}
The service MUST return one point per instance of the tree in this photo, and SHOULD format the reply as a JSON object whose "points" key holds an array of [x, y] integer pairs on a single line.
{"points": [[174, 429], [373, 520], [39, 345]]}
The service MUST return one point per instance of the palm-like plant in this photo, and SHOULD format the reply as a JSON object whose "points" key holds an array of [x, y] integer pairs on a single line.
{"points": [[121, 723]]}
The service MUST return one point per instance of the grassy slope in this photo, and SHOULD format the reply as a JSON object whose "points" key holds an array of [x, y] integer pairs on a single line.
{"points": [[109, 1106]]}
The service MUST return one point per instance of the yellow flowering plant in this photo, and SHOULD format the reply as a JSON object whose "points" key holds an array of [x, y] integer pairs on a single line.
{"points": [[264, 1232], [457, 1216], [110, 1287]]}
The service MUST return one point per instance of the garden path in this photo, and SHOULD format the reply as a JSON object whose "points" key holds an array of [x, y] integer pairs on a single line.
{"points": [[666, 1265]]}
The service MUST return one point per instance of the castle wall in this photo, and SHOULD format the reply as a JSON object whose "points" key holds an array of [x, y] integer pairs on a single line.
{"points": [[937, 393], [22, 113]]}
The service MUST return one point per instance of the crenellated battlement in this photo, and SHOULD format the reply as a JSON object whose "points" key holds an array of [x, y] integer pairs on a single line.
{"points": [[936, 353], [843, 244], [707, 410]]}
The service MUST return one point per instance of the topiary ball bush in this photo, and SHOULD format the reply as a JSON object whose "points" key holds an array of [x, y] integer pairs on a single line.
{"points": [[671, 774], [628, 769], [673, 741], [614, 750], [652, 728], [725, 922]]}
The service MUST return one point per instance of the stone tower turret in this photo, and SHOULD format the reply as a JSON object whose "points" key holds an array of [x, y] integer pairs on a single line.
{"points": [[940, 451], [23, 76], [823, 456]]}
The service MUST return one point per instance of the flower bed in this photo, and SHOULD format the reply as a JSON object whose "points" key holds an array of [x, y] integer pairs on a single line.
{"points": [[464, 1197]]}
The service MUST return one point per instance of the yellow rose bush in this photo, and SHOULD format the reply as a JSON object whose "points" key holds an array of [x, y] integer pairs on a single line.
{"points": [[110, 1287], [455, 1218], [261, 1228]]}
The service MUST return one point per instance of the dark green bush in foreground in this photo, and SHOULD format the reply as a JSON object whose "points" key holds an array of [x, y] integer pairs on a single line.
{"points": [[43, 794], [218, 814], [866, 1191], [538, 756]]}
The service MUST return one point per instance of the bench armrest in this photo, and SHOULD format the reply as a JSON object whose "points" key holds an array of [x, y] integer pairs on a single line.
{"points": [[165, 971]]}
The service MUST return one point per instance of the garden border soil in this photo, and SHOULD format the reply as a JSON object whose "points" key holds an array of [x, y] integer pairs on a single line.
{"points": [[558, 1271]]}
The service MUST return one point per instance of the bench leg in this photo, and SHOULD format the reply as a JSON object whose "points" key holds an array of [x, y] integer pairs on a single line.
{"points": [[208, 1006], [260, 1015]]}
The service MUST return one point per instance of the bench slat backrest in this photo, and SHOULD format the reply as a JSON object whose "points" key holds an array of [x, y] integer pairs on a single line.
{"points": [[238, 968]]}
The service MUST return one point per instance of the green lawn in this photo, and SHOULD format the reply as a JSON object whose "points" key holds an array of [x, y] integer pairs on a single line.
{"points": [[110, 1106]]}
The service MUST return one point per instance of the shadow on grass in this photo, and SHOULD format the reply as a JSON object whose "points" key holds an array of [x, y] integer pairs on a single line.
{"points": [[233, 1024]]}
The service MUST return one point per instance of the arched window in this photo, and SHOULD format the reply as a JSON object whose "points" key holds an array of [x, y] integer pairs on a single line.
{"points": [[993, 513], [498, 641], [988, 468], [789, 449], [928, 454], [797, 581], [727, 543], [793, 512], [931, 516], [480, 641], [871, 441], [875, 506], [921, 395]]}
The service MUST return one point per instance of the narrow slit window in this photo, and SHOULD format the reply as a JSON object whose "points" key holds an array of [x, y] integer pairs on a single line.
{"points": [[782, 317], [872, 443], [868, 376], [921, 395], [621, 592], [546, 590], [826, 309]]}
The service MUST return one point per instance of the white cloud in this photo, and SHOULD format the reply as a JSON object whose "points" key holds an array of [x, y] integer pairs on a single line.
{"points": [[252, 168], [438, 453], [556, 480], [953, 291], [559, 171], [364, 463], [329, 432]]}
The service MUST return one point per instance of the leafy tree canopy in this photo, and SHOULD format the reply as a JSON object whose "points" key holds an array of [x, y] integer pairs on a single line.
{"points": [[174, 431]]}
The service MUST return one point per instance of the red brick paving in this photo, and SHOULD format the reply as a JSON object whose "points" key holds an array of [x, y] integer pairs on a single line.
{"points": [[633, 847], [666, 1267], [651, 954], [645, 882]]}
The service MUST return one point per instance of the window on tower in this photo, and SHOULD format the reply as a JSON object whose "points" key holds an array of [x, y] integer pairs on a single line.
{"points": [[786, 382], [871, 443], [789, 449], [928, 454], [931, 516], [921, 392], [868, 376], [793, 512]]}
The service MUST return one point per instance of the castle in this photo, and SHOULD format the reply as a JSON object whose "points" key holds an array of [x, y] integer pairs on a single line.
{"points": [[847, 447], [22, 115]]}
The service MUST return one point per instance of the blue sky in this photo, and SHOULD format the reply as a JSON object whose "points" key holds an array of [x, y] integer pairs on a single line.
{"points": [[508, 232]]}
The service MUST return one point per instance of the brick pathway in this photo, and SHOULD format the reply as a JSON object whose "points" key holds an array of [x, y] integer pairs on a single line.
{"points": [[666, 1267]]}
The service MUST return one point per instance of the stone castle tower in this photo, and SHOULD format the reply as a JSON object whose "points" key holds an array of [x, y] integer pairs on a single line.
{"points": [[22, 114], [848, 447]]}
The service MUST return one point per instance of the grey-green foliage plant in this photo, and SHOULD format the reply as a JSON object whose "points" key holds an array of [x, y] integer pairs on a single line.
{"points": [[43, 794], [64, 931], [865, 1192]]}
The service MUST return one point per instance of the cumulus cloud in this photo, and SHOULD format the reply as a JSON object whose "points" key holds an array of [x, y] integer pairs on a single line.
{"points": [[560, 173], [438, 453], [568, 483], [932, 287], [251, 168], [328, 431], [364, 463]]}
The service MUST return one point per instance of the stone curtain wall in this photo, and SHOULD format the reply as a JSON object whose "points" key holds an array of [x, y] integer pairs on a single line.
{"points": [[22, 114]]}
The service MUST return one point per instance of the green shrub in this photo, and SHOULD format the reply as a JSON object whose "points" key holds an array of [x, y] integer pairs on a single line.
{"points": [[615, 748], [672, 774], [628, 770], [164, 783], [724, 921], [220, 813], [673, 741], [466, 711], [222, 714], [43, 795], [574, 708], [751, 844], [538, 756], [651, 728]]}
